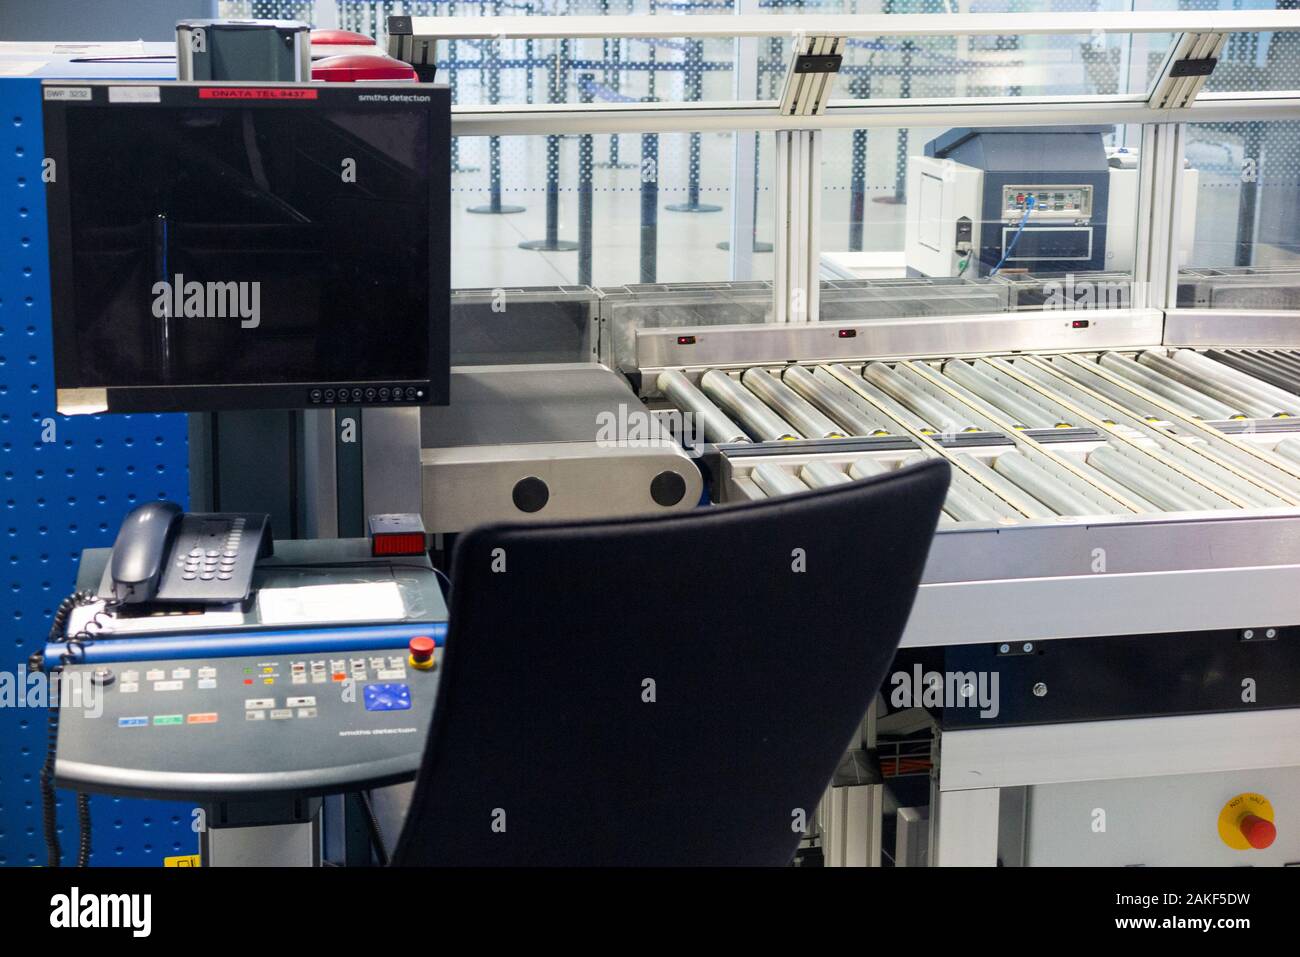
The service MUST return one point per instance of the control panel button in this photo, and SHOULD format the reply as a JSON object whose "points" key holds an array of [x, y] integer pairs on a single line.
{"points": [[1258, 832], [387, 697], [421, 648], [1246, 823], [252, 704]]}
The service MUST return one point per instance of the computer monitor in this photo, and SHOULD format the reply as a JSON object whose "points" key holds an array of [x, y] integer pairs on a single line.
{"points": [[243, 246]]}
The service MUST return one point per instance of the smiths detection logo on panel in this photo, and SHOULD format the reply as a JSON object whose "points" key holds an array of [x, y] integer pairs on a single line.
{"points": [[78, 910]]}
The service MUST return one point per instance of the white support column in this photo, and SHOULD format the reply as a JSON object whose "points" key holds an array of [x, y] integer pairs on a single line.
{"points": [[964, 827], [744, 172], [782, 216], [851, 815], [798, 218], [797, 309], [812, 236], [1159, 199]]}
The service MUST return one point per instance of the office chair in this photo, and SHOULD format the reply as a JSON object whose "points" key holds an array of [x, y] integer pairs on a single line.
{"points": [[664, 691]]}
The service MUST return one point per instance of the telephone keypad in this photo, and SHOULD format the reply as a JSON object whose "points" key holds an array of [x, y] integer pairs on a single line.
{"points": [[209, 563]]}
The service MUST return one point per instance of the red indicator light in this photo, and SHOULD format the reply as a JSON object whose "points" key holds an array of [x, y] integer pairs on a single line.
{"points": [[686, 340], [1079, 324], [405, 543], [848, 333]]}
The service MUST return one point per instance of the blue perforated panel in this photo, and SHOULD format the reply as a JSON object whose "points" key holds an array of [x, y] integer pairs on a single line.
{"points": [[65, 484]]}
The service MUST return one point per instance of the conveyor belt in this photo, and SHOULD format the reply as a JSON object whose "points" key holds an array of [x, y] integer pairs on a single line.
{"points": [[1146, 445]]}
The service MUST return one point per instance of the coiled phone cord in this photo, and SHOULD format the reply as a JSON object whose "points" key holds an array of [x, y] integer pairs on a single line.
{"points": [[49, 800]]}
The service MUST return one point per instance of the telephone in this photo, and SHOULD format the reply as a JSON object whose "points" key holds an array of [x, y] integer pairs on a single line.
{"points": [[163, 555]]}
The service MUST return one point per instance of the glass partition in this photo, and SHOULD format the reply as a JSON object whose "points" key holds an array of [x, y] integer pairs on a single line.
{"points": [[935, 221], [610, 209], [1245, 207], [1257, 61]]}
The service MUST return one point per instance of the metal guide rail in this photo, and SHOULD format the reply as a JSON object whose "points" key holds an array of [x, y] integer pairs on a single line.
{"points": [[1030, 437]]}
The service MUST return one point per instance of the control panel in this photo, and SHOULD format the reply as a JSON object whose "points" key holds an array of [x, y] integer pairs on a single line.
{"points": [[1047, 202], [224, 726]]}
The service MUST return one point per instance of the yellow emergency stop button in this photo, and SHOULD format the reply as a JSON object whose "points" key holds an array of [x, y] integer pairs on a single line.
{"points": [[1246, 823]]}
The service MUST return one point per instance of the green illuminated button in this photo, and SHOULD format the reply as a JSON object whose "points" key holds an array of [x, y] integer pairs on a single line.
{"points": [[168, 719], [248, 671]]}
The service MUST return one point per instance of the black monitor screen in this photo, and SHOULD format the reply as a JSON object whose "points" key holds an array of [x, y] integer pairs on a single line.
{"points": [[283, 250]]}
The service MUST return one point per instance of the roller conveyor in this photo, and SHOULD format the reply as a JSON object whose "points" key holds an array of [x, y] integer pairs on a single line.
{"points": [[1031, 438], [1112, 487]]}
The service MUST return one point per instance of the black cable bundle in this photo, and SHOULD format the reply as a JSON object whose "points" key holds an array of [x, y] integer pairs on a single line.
{"points": [[372, 825]]}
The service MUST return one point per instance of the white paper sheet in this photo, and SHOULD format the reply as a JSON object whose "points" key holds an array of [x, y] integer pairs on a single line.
{"points": [[322, 604]]}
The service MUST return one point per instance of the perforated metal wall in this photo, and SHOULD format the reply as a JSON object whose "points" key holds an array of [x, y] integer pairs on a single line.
{"points": [[65, 484]]}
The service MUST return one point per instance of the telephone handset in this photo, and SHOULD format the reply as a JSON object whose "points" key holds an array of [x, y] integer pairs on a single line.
{"points": [[164, 555]]}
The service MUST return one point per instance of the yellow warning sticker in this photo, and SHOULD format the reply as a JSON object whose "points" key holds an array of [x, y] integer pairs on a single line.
{"points": [[182, 860]]}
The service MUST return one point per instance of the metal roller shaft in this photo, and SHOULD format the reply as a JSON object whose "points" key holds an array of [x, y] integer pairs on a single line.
{"points": [[1041, 485], [867, 468], [775, 481], [1021, 500], [928, 380], [764, 424], [1069, 393], [825, 397], [1078, 372], [1289, 448], [682, 393], [790, 405], [870, 393], [1286, 364], [881, 424], [1110, 462], [1023, 412], [1261, 367], [939, 416], [965, 507], [974, 502], [1270, 395], [822, 475], [1211, 387], [1201, 406]]}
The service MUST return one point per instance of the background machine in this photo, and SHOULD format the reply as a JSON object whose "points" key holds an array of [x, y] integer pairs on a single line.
{"points": [[1037, 199]]}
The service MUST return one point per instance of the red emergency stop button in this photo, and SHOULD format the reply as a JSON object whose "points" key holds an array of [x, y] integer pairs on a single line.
{"points": [[421, 648], [1258, 832], [1246, 822]]}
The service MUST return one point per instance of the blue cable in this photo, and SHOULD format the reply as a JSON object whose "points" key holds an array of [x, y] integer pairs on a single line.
{"points": [[1011, 247]]}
